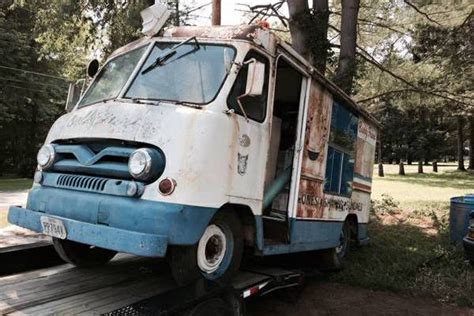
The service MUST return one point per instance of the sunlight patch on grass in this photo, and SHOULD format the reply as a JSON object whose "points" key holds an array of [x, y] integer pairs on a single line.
{"points": [[429, 186]]}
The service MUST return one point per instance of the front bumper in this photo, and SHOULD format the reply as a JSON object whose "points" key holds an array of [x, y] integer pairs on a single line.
{"points": [[141, 244], [123, 224], [469, 246]]}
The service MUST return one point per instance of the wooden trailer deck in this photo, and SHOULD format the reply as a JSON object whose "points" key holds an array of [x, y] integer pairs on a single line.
{"points": [[127, 282], [68, 290]]}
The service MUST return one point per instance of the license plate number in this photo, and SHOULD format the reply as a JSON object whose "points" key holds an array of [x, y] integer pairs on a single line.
{"points": [[53, 227]]}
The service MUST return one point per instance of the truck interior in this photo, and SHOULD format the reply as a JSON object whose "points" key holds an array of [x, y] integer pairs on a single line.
{"points": [[286, 109]]}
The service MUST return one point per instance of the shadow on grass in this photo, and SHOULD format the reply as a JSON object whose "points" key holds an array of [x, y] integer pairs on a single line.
{"points": [[403, 258], [448, 179]]}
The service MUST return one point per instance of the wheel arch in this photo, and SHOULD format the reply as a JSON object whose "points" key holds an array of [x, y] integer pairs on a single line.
{"points": [[247, 219]]}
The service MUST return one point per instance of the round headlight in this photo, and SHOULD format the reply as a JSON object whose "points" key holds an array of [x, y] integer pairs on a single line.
{"points": [[45, 157], [139, 164]]}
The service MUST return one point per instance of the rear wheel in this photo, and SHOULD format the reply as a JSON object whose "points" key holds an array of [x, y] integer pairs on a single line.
{"points": [[82, 255], [217, 255], [333, 259]]}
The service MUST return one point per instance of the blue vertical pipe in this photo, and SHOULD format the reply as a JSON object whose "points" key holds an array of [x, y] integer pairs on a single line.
{"points": [[276, 187]]}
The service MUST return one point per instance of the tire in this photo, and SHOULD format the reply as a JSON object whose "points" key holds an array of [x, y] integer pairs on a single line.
{"points": [[216, 256], [82, 255], [333, 259]]}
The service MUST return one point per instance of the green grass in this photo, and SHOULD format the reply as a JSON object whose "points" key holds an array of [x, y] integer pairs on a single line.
{"points": [[17, 184], [410, 250]]}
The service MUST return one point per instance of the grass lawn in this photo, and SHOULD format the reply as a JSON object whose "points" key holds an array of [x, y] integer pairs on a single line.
{"points": [[16, 184], [410, 250]]}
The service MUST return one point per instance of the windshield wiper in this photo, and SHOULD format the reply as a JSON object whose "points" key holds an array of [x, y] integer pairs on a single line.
{"points": [[159, 61]]}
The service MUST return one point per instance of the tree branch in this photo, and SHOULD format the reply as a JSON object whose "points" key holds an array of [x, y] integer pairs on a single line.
{"points": [[386, 93], [421, 12], [366, 56]]}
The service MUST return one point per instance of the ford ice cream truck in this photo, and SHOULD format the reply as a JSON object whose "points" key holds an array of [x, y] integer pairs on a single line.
{"points": [[198, 142]]}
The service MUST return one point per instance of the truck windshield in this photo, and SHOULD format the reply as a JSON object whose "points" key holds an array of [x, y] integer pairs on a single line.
{"points": [[112, 77], [193, 74]]}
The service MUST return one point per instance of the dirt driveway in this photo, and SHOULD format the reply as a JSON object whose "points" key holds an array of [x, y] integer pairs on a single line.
{"points": [[323, 298]]}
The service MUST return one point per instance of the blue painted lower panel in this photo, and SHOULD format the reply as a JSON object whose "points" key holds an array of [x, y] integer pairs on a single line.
{"points": [[178, 224], [309, 235]]}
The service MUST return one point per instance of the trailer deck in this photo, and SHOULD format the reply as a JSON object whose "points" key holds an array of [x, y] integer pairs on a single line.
{"points": [[127, 283]]}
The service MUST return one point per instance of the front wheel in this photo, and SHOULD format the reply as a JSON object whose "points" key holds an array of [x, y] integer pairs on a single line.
{"points": [[82, 255], [217, 255]]}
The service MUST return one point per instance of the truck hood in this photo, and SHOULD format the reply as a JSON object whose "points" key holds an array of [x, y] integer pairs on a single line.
{"points": [[115, 120]]}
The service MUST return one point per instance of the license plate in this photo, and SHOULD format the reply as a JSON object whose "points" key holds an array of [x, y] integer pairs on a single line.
{"points": [[53, 227]]}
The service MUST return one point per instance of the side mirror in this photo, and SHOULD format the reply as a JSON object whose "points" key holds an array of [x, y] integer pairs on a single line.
{"points": [[92, 68], [73, 95], [255, 78]]}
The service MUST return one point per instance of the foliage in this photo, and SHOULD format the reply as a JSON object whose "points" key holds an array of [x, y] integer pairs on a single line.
{"points": [[52, 41], [29, 103], [433, 59]]}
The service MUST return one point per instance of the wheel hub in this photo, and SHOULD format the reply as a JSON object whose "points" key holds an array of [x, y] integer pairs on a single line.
{"points": [[211, 249]]}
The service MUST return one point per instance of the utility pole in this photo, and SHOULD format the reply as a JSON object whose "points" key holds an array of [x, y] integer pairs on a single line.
{"points": [[176, 4], [216, 12]]}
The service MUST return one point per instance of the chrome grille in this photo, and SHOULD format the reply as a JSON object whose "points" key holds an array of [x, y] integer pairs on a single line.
{"points": [[82, 182]]}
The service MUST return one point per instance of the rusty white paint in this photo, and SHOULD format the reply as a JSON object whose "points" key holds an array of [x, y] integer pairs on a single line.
{"points": [[205, 147], [201, 145]]}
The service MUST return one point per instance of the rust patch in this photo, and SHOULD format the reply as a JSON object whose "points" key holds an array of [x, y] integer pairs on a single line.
{"points": [[243, 32], [310, 193], [317, 131], [316, 137]]}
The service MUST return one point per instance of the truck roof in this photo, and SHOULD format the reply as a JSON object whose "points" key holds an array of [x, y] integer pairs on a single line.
{"points": [[256, 35]]}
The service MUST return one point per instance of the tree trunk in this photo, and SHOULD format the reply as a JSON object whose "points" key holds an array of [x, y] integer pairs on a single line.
{"points": [[176, 7], [420, 166], [216, 12], [347, 67], [309, 31], [471, 143], [320, 44], [460, 125], [435, 166], [401, 169], [379, 157]]}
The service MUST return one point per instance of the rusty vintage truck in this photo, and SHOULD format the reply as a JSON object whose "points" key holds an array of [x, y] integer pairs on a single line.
{"points": [[198, 142]]}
